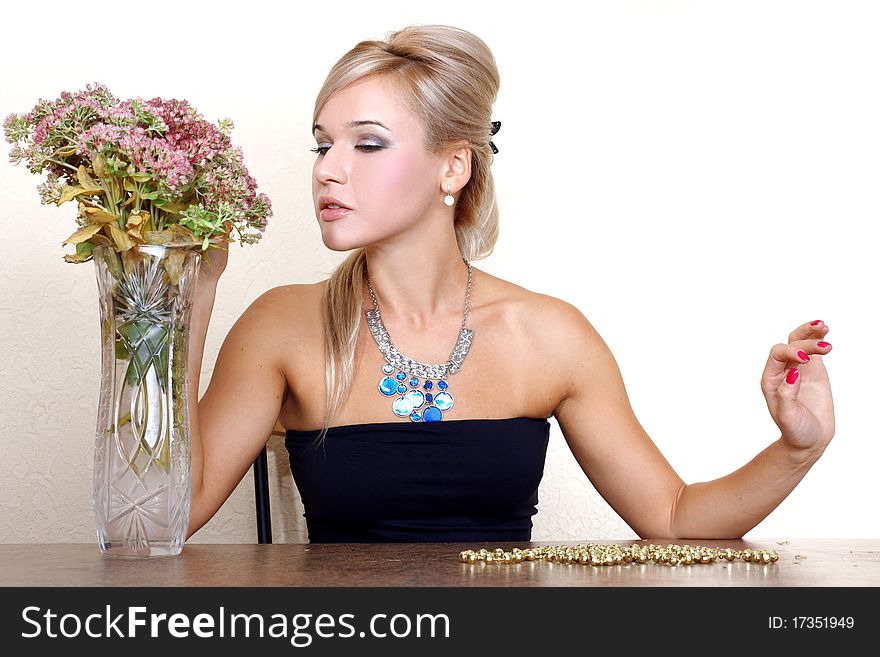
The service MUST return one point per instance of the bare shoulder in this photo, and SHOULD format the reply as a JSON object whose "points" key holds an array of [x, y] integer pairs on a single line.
{"points": [[288, 302], [553, 335], [549, 320], [284, 315]]}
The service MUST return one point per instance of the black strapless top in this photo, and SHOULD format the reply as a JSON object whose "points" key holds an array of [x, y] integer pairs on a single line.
{"points": [[447, 481]]}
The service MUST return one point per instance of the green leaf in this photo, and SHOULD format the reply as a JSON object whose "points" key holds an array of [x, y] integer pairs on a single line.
{"points": [[169, 206], [114, 264], [141, 176]]}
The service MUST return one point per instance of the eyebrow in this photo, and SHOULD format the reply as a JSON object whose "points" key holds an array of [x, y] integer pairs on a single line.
{"points": [[355, 124]]}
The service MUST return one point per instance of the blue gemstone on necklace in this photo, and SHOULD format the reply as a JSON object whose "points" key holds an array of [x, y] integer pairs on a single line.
{"points": [[401, 388], [402, 407], [429, 398], [416, 416], [417, 398], [432, 414], [388, 386], [401, 376], [413, 382], [442, 385], [443, 401], [428, 385], [388, 369]]}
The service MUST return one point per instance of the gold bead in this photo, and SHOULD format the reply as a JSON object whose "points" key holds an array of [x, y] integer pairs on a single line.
{"points": [[598, 554]]}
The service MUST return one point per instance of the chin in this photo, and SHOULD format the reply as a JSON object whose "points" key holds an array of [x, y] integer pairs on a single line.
{"points": [[336, 238], [341, 242]]}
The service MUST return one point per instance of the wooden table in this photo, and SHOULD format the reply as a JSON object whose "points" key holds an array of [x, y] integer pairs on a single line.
{"points": [[802, 562]]}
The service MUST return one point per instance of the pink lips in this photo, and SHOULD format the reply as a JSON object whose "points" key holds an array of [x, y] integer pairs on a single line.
{"points": [[331, 214]]}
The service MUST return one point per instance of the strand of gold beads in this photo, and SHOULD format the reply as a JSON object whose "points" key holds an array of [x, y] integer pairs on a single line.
{"points": [[596, 554]]}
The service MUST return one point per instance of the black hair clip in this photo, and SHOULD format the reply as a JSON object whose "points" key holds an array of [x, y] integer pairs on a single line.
{"points": [[496, 126]]}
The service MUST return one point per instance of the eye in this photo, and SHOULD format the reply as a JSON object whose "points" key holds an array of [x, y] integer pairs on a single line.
{"points": [[368, 148]]}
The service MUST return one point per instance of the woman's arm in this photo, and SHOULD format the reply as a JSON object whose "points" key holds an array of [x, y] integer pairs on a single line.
{"points": [[240, 408], [632, 475]]}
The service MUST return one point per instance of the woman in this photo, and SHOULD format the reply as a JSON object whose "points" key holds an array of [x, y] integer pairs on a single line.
{"points": [[432, 375]]}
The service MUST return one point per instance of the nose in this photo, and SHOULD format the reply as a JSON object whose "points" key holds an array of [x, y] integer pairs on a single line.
{"points": [[331, 167]]}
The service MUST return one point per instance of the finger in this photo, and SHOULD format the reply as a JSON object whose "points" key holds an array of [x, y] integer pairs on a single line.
{"points": [[782, 357], [814, 330], [787, 404], [803, 349]]}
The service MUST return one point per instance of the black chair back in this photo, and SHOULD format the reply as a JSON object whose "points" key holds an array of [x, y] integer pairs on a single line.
{"points": [[261, 497]]}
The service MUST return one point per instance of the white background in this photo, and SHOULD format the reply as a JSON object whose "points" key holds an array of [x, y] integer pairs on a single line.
{"points": [[697, 177]]}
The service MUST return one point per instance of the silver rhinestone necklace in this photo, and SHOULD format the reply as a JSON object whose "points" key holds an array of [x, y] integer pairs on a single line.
{"points": [[411, 383]]}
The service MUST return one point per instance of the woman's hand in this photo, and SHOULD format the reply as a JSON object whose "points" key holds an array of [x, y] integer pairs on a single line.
{"points": [[213, 264], [796, 387]]}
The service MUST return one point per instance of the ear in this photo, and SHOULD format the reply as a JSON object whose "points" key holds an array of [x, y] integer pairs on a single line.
{"points": [[456, 168]]}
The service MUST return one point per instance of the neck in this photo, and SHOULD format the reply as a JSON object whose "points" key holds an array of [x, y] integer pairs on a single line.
{"points": [[417, 285]]}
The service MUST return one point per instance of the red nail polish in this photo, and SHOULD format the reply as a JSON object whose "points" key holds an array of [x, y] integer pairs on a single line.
{"points": [[815, 322], [823, 344], [803, 355], [792, 376]]}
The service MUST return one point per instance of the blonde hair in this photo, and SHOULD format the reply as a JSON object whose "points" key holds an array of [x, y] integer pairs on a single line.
{"points": [[449, 78]]}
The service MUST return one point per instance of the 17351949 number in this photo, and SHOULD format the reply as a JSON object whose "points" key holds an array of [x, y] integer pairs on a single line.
{"points": [[811, 623]]}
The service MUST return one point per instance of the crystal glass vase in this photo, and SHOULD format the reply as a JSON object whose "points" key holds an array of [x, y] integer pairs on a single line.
{"points": [[141, 479]]}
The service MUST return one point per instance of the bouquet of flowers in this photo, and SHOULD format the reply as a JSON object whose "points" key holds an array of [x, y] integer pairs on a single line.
{"points": [[155, 185], [141, 171]]}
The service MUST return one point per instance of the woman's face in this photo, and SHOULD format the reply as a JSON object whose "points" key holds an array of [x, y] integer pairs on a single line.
{"points": [[371, 158]]}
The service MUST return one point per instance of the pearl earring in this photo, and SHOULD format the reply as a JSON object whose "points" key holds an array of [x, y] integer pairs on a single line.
{"points": [[449, 199]]}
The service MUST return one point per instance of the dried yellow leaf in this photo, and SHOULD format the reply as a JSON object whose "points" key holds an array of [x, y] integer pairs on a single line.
{"points": [[158, 237], [68, 193], [135, 225], [88, 183], [99, 239], [123, 243], [136, 219], [182, 233], [77, 257], [82, 234], [174, 265], [99, 165], [96, 215]]}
